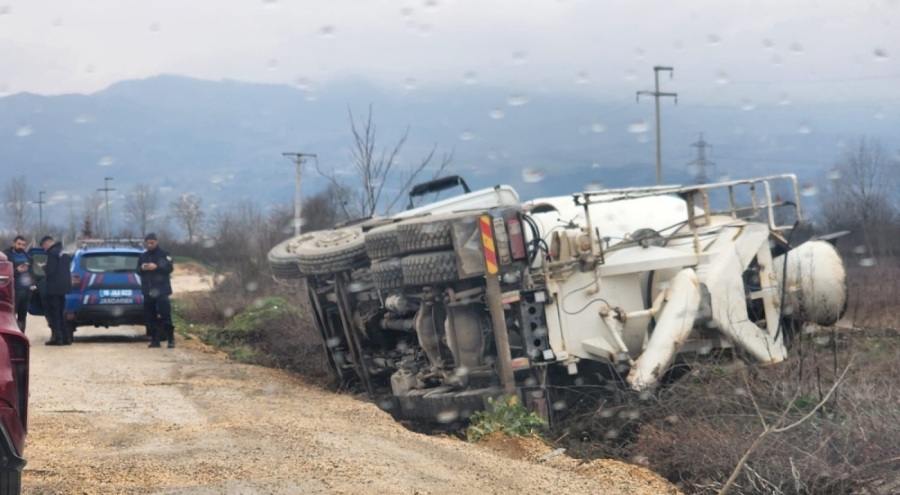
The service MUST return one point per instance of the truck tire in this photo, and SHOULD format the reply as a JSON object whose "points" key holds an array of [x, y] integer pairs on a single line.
{"points": [[387, 274], [382, 242], [10, 482], [430, 268], [429, 233], [284, 263], [329, 251]]}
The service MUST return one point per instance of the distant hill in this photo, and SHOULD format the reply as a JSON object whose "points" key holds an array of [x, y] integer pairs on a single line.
{"points": [[223, 140]]}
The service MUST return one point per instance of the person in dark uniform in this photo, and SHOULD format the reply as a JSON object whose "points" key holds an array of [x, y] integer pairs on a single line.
{"points": [[155, 265], [24, 276], [57, 283]]}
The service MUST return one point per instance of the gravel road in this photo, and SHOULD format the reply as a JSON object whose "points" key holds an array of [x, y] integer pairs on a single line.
{"points": [[110, 416]]}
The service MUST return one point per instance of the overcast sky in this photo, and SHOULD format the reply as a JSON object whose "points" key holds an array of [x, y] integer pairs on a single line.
{"points": [[732, 52]]}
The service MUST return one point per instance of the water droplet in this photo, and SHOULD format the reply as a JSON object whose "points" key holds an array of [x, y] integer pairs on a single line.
{"points": [[532, 175], [611, 434], [796, 48], [25, 130], [519, 58], [777, 61], [598, 128], [809, 190], [106, 161], [748, 105], [425, 29], [58, 22], [467, 135], [582, 78], [228, 312], [89, 69], [879, 114], [470, 77], [834, 174], [880, 55], [251, 286], [406, 13], [430, 4], [630, 75], [272, 64], [5, 10], [722, 78], [596, 165], [259, 302], [155, 27], [714, 40], [386, 405], [804, 128], [305, 84], [447, 416], [559, 405], [768, 45], [410, 83], [516, 100], [311, 96], [327, 31], [643, 138], [333, 342], [859, 249], [497, 113], [867, 262], [639, 54], [784, 99], [638, 126], [593, 186], [209, 243], [270, 3]]}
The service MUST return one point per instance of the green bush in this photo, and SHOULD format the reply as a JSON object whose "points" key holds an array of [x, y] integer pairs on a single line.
{"points": [[507, 415]]}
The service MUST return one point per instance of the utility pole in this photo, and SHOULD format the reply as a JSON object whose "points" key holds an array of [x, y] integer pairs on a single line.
{"points": [[298, 158], [106, 189], [701, 162], [40, 202], [656, 94]]}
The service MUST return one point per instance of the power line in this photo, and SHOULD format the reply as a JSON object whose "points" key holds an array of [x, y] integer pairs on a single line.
{"points": [[298, 159], [40, 202], [700, 163], [656, 95], [106, 189]]}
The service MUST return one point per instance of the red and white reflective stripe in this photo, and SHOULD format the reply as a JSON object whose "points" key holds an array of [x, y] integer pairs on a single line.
{"points": [[487, 240]]}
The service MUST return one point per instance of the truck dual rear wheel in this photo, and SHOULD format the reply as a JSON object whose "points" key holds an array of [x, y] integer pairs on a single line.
{"points": [[284, 263], [430, 268]]}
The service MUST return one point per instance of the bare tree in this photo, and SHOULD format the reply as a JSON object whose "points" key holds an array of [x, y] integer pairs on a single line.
{"points": [[141, 206], [188, 212], [91, 213], [378, 170], [324, 209], [15, 203], [859, 196]]}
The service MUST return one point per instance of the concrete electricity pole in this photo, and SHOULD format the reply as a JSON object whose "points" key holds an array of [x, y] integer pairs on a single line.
{"points": [[106, 189], [40, 202], [656, 94], [701, 162], [298, 159]]}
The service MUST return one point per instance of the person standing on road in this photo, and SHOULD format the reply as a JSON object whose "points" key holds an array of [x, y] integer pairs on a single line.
{"points": [[57, 283], [155, 265], [24, 277]]}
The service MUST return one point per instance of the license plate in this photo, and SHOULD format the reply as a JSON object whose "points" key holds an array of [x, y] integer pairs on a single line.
{"points": [[115, 293], [115, 300]]}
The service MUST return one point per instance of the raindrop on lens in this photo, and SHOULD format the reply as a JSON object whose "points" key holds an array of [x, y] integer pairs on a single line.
{"points": [[867, 262], [516, 100], [228, 312], [106, 161], [804, 129], [784, 99], [519, 58], [611, 434], [809, 190], [24, 131], [747, 105], [593, 186], [497, 113], [638, 126], [560, 405], [470, 77], [447, 416], [880, 55], [272, 64], [462, 371], [768, 44], [386, 405], [209, 243], [154, 27], [430, 4], [410, 83], [467, 136], [251, 286], [714, 40], [722, 78], [304, 84], [796, 48], [4, 10], [598, 128], [582, 78], [259, 303], [327, 32], [777, 61], [333, 342], [879, 114], [834, 174], [630, 75], [532, 175]]}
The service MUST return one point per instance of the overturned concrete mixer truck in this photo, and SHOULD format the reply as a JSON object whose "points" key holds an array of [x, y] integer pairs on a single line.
{"points": [[481, 294]]}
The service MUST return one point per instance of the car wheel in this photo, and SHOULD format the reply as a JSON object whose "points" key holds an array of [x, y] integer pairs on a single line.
{"points": [[283, 263], [382, 242], [387, 274], [430, 268]]}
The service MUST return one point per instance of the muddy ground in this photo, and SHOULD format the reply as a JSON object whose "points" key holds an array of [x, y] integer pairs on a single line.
{"points": [[110, 416]]}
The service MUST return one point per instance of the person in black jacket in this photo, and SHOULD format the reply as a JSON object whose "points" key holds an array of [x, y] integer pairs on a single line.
{"points": [[57, 283], [155, 265], [24, 277]]}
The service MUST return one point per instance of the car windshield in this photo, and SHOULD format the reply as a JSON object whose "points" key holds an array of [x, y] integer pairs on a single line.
{"points": [[109, 262]]}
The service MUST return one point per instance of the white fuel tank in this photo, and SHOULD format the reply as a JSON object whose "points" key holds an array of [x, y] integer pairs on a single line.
{"points": [[816, 288]]}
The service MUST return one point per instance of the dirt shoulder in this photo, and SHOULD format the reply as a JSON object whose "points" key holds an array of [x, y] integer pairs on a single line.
{"points": [[108, 415]]}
